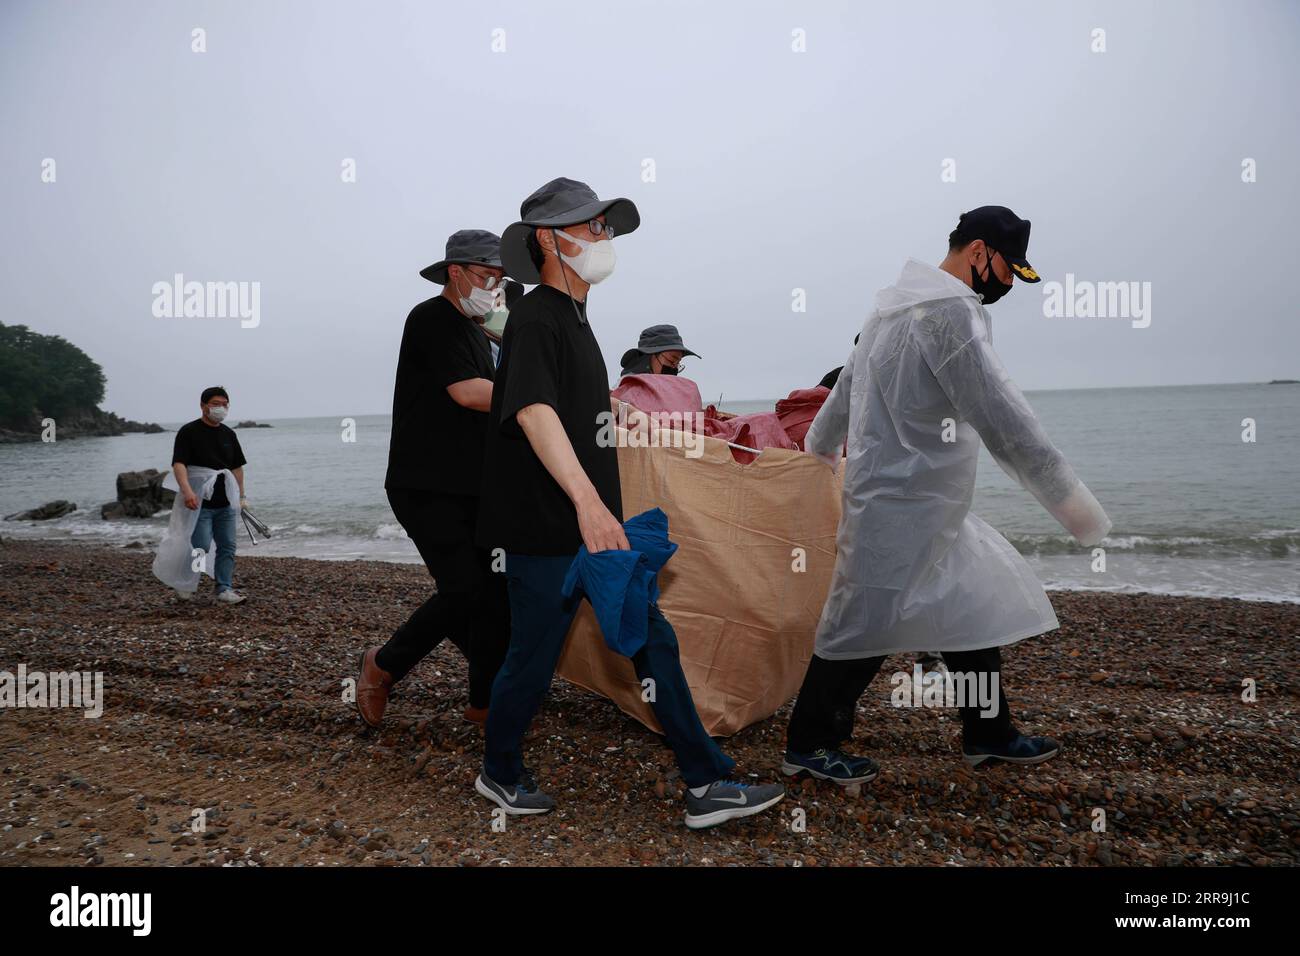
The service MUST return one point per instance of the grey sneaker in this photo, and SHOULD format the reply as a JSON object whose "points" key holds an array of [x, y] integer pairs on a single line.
{"points": [[728, 799], [521, 799], [230, 597]]}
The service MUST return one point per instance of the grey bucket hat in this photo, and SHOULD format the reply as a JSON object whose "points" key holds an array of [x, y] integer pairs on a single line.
{"points": [[468, 247], [561, 202], [657, 338]]}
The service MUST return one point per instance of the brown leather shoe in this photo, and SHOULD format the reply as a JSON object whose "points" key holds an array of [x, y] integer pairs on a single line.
{"points": [[373, 685], [477, 715]]}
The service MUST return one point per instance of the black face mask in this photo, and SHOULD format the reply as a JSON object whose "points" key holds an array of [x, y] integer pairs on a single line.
{"points": [[989, 289], [669, 370]]}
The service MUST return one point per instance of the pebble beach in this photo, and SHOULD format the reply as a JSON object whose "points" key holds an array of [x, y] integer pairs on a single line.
{"points": [[238, 712]]}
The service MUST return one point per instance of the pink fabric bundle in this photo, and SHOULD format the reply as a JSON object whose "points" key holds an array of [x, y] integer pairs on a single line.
{"points": [[784, 428], [798, 410], [759, 430], [659, 393]]}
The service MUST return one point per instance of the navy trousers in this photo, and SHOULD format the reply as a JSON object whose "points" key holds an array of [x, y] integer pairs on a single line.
{"points": [[539, 623]]}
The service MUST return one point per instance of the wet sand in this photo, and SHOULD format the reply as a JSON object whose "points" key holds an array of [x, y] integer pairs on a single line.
{"points": [[239, 711]]}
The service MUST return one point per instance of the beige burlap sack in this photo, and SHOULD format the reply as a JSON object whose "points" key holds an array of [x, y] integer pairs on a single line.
{"points": [[756, 546]]}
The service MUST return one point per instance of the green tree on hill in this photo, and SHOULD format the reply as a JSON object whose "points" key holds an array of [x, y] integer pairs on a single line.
{"points": [[44, 375]]}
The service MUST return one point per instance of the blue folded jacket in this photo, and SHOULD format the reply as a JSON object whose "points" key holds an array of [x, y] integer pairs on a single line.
{"points": [[621, 585]]}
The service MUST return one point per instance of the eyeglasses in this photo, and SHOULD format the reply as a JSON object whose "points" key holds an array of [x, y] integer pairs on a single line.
{"points": [[489, 282], [597, 228]]}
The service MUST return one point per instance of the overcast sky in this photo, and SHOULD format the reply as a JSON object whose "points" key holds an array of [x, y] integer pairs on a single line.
{"points": [[773, 170]]}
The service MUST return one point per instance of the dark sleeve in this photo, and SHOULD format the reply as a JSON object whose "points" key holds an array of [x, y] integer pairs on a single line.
{"points": [[182, 450], [239, 460], [831, 377], [534, 373], [451, 356]]}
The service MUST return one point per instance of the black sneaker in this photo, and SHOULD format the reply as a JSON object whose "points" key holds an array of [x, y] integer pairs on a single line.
{"points": [[1019, 749], [833, 765], [727, 799], [521, 799]]}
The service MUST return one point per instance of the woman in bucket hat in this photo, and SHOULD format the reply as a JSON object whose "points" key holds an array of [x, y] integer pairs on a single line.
{"points": [[659, 351]]}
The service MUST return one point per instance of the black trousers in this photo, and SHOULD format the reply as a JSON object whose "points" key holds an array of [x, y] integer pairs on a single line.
{"points": [[828, 699], [471, 607]]}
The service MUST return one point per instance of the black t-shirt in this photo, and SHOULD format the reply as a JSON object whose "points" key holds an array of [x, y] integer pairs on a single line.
{"points": [[831, 377], [198, 443], [548, 356], [437, 444]]}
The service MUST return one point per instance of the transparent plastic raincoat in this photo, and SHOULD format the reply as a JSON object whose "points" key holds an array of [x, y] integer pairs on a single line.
{"points": [[914, 569], [174, 564]]}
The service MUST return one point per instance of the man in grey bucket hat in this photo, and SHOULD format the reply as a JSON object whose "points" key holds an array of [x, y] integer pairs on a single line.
{"points": [[551, 488], [468, 247], [435, 471], [561, 202], [659, 351]]}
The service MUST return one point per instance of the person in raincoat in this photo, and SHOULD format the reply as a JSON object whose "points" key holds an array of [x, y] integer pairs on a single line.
{"points": [[914, 569], [930, 661]]}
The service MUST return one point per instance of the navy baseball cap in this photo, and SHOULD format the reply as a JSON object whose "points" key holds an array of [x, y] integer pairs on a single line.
{"points": [[1003, 231]]}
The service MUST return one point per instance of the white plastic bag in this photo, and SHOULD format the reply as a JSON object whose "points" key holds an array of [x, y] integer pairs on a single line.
{"points": [[174, 564]]}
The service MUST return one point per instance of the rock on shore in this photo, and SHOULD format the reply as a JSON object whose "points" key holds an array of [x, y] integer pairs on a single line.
{"points": [[46, 512], [89, 423], [139, 495]]}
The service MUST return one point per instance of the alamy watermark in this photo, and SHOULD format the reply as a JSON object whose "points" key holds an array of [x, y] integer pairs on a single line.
{"points": [[1085, 299], [632, 428], [180, 299], [946, 690], [82, 690], [75, 908]]}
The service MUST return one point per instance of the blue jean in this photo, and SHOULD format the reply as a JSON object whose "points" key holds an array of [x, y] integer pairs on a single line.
{"points": [[539, 623], [219, 523]]}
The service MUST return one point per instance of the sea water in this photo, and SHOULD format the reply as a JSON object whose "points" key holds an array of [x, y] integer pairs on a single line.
{"points": [[1196, 510]]}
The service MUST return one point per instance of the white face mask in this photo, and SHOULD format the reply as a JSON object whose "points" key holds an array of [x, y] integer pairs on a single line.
{"points": [[596, 261], [479, 302], [217, 412]]}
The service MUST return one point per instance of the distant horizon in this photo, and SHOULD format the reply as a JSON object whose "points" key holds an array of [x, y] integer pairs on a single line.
{"points": [[1034, 391]]}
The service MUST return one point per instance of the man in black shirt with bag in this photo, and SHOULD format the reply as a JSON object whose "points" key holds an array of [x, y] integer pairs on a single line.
{"points": [[435, 467], [551, 487], [207, 443]]}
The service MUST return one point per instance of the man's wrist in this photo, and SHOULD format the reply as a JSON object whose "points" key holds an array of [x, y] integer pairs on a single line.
{"points": [[586, 498]]}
